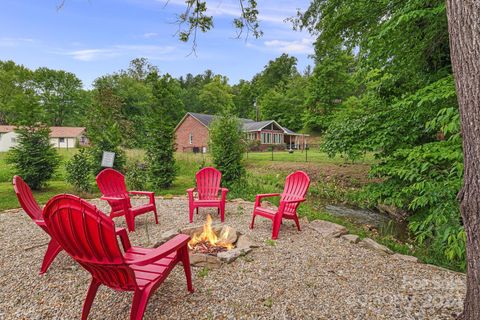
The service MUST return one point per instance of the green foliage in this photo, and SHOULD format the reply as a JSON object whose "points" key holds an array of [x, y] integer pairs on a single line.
{"points": [[34, 158], [284, 103], [108, 140], [226, 148], [215, 97], [403, 108], [323, 98], [79, 171], [160, 154], [136, 175]]}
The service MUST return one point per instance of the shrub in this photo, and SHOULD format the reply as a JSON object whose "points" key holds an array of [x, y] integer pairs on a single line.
{"points": [[108, 140], [136, 175], [227, 147], [34, 158], [79, 171], [160, 156]]}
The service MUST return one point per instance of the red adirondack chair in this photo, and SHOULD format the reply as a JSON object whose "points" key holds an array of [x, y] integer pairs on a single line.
{"points": [[31, 207], [112, 186], [90, 238], [296, 186], [208, 186]]}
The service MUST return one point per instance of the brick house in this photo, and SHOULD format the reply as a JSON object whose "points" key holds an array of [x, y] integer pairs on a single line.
{"points": [[192, 134]]}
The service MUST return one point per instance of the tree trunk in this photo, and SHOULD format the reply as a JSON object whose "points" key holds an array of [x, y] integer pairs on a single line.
{"points": [[464, 30]]}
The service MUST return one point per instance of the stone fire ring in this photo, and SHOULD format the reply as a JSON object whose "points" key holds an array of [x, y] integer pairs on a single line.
{"points": [[243, 245]]}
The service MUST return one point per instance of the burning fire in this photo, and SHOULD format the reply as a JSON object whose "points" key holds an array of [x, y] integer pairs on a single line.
{"points": [[208, 238]]}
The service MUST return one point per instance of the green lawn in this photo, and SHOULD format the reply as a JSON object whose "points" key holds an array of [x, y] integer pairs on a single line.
{"points": [[313, 155], [187, 163]]}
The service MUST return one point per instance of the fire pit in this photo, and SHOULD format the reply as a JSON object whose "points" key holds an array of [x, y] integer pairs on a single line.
{"points": [[208, 242], [212, 245]]}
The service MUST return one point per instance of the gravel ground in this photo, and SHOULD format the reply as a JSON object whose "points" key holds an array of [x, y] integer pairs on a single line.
{"points": [[303, 276]]}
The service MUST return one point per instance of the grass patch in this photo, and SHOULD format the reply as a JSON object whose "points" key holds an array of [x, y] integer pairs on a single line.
{"points": [[203, 272]]}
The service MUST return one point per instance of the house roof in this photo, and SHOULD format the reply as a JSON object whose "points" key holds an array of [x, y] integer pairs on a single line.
{"points": [[55, 132], [66, 132], [248, 125]]}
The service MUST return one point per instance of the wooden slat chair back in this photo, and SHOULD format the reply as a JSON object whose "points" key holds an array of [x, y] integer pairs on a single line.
{"points": [[90, 237], [295, 189], [296, 186], [33, 210], [210, 194], [111, 184], [208, 183]]}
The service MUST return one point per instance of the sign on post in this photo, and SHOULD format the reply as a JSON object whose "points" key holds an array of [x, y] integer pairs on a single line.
{"points": [[108, 158]]}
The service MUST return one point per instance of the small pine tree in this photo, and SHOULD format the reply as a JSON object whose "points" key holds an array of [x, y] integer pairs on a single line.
{"points": [[160, 155], [79, 171], [227, 147], [34, 158]]}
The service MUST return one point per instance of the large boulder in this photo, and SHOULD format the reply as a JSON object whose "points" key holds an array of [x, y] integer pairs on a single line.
{"points": [[327, 229], [372, 245]]}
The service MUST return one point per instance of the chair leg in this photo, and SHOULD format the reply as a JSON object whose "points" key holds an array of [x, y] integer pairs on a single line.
{"points": [[130, 218], [196, 209], [297, 222], [52, 250], [222, 213], [190, 213], [253, 221], [277, 221], [155, 213], [92, 292], [139, 304], [186, 267]]}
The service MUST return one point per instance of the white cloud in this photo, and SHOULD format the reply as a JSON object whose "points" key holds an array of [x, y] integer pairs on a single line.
{"points": [[149, 35], [304, 45], [15, 42], [152, 52], [91, 54]]}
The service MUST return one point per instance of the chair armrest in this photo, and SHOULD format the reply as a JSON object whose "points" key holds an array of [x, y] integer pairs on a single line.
{"points": [[224, 192], [150, 194], [145, 193], [164, 250], [283, 203], [264, 195], [122, 233], [111, 198], [190, 193], [293, 201]]}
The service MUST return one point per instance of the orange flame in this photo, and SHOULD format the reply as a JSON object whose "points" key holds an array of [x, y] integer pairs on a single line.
{"points": [[209, 236]]}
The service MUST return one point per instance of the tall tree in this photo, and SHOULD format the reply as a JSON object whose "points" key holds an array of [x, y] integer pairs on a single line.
{"points": [[216, 96], [464, 29], [60, 95]]}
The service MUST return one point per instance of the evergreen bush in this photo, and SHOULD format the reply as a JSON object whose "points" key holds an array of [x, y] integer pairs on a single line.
{"points": [[227, 147], [34, 158], [79, 171], [160, 154]]}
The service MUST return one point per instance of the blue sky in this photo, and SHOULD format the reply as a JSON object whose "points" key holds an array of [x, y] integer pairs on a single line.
{"points": [[94, 37]]}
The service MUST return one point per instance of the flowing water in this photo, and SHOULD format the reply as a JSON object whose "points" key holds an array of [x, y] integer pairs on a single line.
{"points": [[383, 223]]}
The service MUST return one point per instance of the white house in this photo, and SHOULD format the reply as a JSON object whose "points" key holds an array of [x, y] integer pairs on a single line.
{"points": [[60, 137]]}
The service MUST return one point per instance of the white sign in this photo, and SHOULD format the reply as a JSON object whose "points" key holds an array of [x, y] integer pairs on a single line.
{"points": [[108, 158]]}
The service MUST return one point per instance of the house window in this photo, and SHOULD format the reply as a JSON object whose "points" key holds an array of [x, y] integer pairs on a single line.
{"points": [[61, 140], [190, 138], [266, 138], [251, 136]]}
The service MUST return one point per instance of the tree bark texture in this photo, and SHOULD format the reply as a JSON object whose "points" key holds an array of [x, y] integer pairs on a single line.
{"points": [[464, 30]]}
